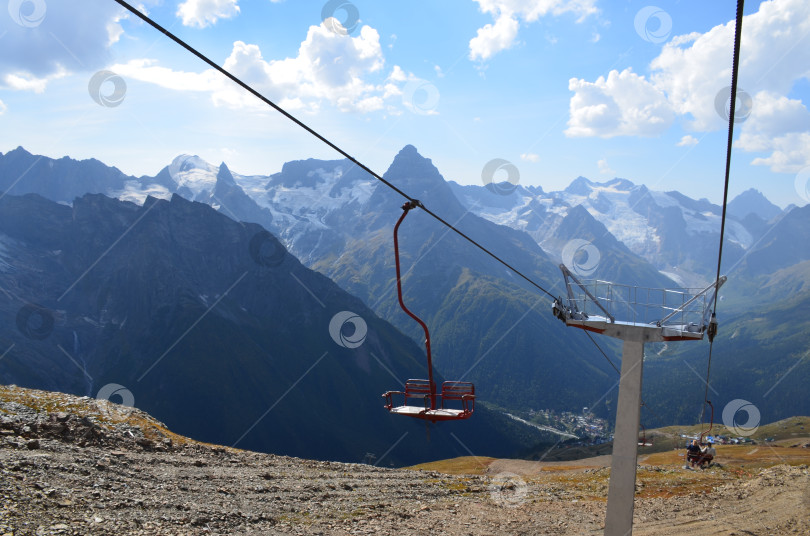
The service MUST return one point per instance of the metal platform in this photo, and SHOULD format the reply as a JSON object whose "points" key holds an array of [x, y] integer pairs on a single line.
{"points": [[636, 313]]}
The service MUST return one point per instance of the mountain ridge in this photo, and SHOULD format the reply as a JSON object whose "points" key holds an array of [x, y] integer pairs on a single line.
{"points": [[338, 220], [209, 322]]}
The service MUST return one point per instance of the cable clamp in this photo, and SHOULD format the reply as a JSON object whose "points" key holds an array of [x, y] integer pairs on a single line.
{"points": [[413, 203], [712, 329]]}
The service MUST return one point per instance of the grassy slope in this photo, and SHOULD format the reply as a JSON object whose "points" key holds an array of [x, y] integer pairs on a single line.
{"points": [[667, 448], [106, 414]]}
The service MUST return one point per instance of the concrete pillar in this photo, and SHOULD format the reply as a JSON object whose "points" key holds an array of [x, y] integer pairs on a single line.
{"points": [[619, 517]]}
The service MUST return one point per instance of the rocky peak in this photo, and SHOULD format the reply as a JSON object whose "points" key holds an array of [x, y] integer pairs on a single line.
{"points": [[419, 178], [580, 186], [224, 175], [752, 201]]}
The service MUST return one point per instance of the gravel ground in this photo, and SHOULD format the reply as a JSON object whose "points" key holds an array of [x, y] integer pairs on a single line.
{"points": [[86, 469]]}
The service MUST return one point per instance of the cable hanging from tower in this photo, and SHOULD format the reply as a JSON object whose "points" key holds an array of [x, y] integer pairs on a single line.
{"points": [[712, 329]]}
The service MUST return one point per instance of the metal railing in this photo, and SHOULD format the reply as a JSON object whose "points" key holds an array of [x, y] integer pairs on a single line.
{"points": [[639, 305]]}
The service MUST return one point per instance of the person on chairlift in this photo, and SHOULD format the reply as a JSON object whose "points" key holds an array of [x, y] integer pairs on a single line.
{"points": [[708, 452], [692, 452]]}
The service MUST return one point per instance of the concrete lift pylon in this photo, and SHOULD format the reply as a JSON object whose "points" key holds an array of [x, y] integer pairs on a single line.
{"points": [[636, 316]]}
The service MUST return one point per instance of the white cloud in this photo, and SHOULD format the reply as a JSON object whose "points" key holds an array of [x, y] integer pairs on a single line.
{"points": [[532, 10], [604, 168], [202, 13], [492, 39], [530, 157], [687, 141], [507, 14], [23, 81], [781, 127], [397, 74], [148, 71], [3, 107], [693, 69], [67, 40], [789, 153], [329, 67], [773, 114], [623, 104]]}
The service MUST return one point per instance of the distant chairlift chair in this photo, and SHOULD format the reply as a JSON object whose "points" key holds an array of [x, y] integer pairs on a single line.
{"points": [[643, 441]]}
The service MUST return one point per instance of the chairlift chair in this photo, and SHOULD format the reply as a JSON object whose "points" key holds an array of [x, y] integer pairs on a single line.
{"points": [[456, 401], [642, 441]]}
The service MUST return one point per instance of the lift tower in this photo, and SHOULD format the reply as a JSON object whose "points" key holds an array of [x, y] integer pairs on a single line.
{"points": [[636, 316]]}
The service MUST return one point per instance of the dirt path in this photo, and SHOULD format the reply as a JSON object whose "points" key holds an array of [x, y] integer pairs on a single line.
{"points": [[528, 468], [774, 502]]}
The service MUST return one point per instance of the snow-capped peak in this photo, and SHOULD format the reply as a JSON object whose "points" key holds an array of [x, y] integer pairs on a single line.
{"points": [[193, 173]]}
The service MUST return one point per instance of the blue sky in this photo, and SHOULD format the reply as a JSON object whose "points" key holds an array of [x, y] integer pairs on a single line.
{"points": [[559, 88]]}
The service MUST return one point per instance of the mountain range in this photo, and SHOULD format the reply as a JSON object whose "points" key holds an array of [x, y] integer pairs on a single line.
{"points": [[212, 325], [488, 325], [677, 235]]}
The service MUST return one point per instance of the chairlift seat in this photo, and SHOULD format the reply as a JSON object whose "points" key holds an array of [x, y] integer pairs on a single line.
{"points": [[700, 459], [452, 391], [642, 440]]}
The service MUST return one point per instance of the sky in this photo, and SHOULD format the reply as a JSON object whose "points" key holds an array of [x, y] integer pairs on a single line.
{"points": [[558, 88]]}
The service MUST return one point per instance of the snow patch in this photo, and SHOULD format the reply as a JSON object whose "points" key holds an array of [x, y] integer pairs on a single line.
{"points": [[137, 193], [5, 243], [315, 203], [675, 277], [194, 173]]}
